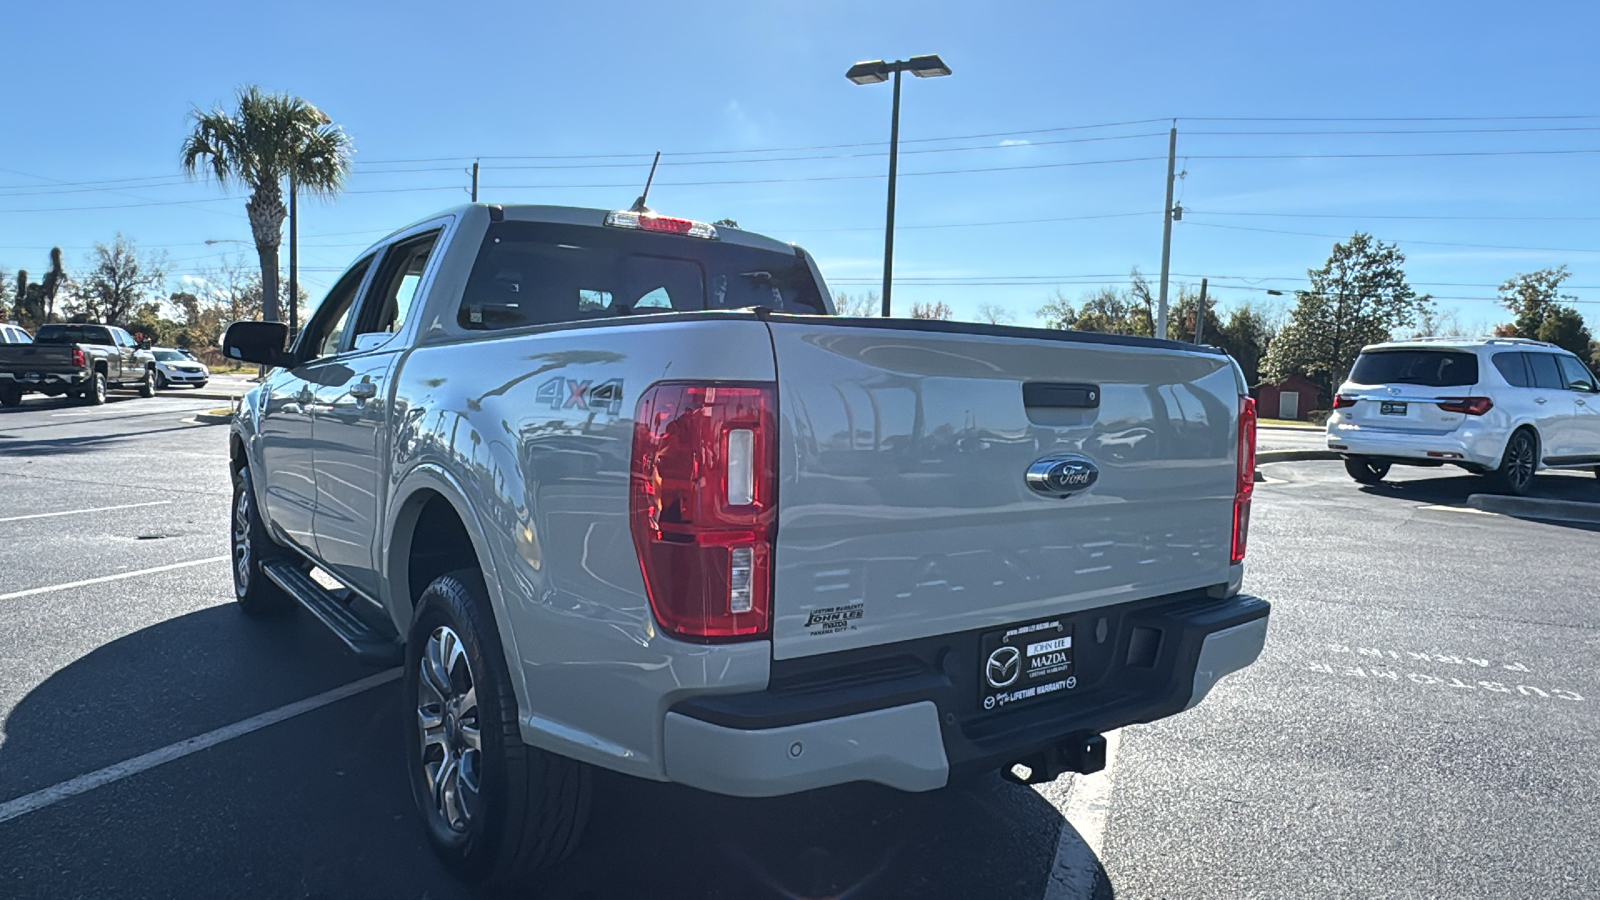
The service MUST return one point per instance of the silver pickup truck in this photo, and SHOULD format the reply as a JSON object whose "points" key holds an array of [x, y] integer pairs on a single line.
{"points": [[618, 490]]}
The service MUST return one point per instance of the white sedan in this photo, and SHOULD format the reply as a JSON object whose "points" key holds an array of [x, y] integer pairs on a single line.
{"points": [[176, 367]]}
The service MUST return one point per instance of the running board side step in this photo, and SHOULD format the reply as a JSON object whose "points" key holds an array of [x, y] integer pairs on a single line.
{"points": [[372, 643]]}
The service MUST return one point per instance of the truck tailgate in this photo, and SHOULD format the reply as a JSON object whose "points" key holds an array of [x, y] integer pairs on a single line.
{"points": [[38, 358], [904, 511]]}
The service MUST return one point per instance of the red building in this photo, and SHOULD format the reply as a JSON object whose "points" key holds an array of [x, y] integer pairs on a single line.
{"points": [[1290, 399]]}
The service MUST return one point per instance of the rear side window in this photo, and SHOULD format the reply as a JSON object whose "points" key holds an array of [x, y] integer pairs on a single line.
{"points": [[1545, 372], [1576, 375], [1430, 368], [532, 273], [1513, 368]]}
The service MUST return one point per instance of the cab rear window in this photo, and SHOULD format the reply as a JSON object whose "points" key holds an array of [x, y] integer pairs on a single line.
{"points": [[533, 273], [1430, 368]]}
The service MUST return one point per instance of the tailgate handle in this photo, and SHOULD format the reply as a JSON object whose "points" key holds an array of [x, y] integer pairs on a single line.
{"points": [[1042, 394]]}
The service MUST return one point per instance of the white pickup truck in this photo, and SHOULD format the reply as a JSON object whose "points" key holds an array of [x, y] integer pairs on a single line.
{"points": [[618, 490]]}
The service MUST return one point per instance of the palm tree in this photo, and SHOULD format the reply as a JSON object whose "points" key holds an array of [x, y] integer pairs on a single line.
{"points": [[269, 137]]}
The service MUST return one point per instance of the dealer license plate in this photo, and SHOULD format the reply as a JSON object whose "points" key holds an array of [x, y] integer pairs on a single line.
{"points": [[1026, 663], [1391, 408]]}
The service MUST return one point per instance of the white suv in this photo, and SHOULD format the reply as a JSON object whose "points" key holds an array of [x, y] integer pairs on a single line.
{"points": [[1504, 407]]}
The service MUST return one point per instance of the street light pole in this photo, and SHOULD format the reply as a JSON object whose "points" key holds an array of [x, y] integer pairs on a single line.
{"points": [[888, 221], [873, 72]]}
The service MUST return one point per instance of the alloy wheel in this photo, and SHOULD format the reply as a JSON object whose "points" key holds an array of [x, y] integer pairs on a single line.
{"points": [[447, 719], [241, 539], [1519, 461]]}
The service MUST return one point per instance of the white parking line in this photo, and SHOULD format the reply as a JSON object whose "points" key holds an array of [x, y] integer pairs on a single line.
{"points": [[1088, 806], [74, 512], [49, 796], [104, 578]]}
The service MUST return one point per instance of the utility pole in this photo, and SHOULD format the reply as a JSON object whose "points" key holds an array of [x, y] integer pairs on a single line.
{"points": [[294, 268], [1166, 231], [474, 181], [1200, 317], [888, 228]]}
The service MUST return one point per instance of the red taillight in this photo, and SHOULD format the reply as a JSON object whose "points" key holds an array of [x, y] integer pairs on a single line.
{"points": [[77, 357], [1340, 401], [1246, 484], [648, 221], [703, 507], [662, 223], [1472, 406]]}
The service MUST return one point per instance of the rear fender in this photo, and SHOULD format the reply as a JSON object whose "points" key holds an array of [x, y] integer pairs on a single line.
{"points": [[399, 524]]}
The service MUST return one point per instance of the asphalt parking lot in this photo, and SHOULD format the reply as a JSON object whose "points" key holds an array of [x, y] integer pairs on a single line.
{"points": [[1422, 722]]}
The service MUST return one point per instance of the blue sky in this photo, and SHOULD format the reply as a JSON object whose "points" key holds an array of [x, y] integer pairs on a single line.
{"points": [[100, 91]]}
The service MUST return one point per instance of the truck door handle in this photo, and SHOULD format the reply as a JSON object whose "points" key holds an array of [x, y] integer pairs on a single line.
{"points": [[363, 390], [1581, 403], [1538, 399]]}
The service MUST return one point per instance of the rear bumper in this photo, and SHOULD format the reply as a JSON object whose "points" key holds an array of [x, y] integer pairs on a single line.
{"points": [[39, 380], [908, 715], [1472, 443]]}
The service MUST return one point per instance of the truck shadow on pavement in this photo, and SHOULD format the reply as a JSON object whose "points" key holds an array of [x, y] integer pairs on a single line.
{"points": [[14, 447], [317, 806], [1453, 490]]}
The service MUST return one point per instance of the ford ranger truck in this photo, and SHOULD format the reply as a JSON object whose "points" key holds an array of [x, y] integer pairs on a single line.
{"points": [[617, 490]]}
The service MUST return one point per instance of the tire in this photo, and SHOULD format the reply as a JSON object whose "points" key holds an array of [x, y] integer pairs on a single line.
{"points": [[530, 806], [147, 387], [250, 546], [95, 393], [11, 396], [161, 381], [1366, 470], [1518, 463]]}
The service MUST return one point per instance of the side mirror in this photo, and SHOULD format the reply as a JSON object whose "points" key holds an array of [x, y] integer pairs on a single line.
{"points": [[145, 345], [257, 342]]}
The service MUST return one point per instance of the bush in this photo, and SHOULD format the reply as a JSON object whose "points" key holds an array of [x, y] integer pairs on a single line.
{"points": [[1318, 416]]}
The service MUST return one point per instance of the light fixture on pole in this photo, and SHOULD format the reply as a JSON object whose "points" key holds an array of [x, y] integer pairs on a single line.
{"points": [[875, 72]]}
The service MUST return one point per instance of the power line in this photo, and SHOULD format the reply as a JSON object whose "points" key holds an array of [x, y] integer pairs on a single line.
{"points": [[1406, 131], [1383, 118], [630, 184], [1389, 155], [879, 228], [775, 159], [1394, 240], [671, 153], [1200, 212]]}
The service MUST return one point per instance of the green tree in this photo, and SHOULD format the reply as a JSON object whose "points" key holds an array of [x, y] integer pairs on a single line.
{"points": [[1533, 297], [1246, 335], [1186, 309], [726, 223], [118, 281], [266, 139], [1058, 312], [34, 302], [1542, 312], [1359, 297], [1106, 309], [1565, 328]]}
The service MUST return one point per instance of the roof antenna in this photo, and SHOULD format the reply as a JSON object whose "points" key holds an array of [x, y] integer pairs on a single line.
{"points": [[638, 205]]}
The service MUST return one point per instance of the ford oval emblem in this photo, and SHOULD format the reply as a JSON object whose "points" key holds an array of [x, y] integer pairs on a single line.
{"points": [[1062, 474]]}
